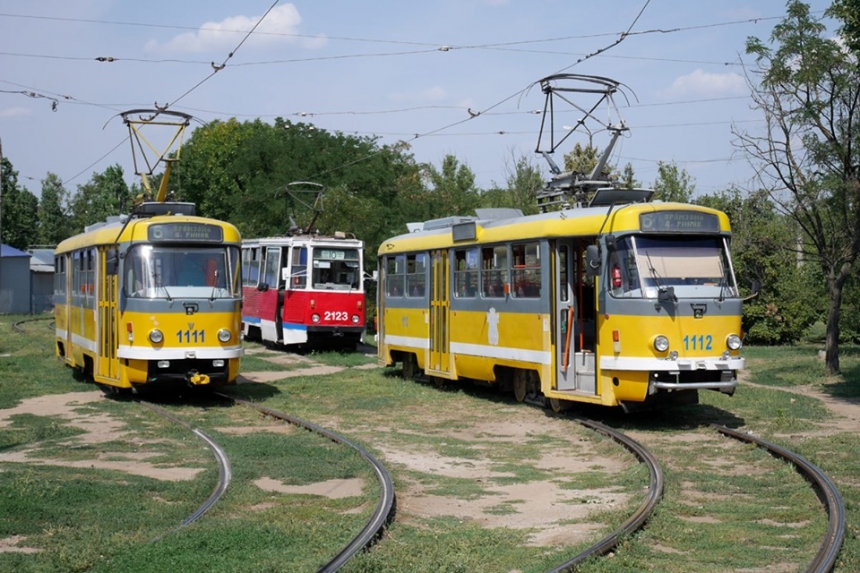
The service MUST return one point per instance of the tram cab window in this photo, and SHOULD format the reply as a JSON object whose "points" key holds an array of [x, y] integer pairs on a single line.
{"points": [[465, 273], [336, 268], [693, 266], [526, 271], [168, 272]]}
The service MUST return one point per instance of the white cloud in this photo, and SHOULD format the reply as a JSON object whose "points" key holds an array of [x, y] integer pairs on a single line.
{"points": [[279, 26], [706, 84], [15, 112]]}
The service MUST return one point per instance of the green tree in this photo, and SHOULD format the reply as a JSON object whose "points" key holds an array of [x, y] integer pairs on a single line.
{"points": [[763, 250], [19, 210], [106, 194], [523, 182], [54, 222], [808, 154], [673, 184], [451, 188]]}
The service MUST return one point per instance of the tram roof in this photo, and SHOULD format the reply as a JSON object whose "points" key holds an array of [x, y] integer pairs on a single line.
{"points": [[327, 240], [584, 222], [108, 233]]}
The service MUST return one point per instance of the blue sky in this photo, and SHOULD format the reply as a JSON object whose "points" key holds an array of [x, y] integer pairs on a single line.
{"points": [[401, 70]]}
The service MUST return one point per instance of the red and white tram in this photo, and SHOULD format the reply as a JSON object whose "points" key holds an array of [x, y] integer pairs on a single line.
{"points": [[304, 290]]}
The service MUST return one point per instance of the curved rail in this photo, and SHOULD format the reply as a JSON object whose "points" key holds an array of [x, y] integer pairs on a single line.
{"points": [[384, 508], [224, 472], [827, 493], [16, 326], [643, 512]]}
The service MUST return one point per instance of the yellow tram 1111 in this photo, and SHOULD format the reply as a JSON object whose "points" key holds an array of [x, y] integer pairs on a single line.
{"points": [[624, 302], [151, 298]]}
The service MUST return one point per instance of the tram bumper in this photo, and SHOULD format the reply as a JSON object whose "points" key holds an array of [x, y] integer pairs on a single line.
{"points": [[719, 374]]}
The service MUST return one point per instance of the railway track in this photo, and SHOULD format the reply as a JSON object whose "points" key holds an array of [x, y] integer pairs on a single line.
{"points": [[831, 543], [385, 507], [224, 471]]}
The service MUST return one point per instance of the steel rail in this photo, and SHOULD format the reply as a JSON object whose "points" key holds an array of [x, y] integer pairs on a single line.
{"points": [[831, 544], [224, 472], [642, 513], [384, 508]]}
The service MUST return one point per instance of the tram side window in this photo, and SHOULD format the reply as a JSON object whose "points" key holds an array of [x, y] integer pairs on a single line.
{"points": [[60, 275], [494, 267], [416, 275], [466, 272], [254, 266], [525, 274], [395, 275], [246, 265], [89, 272], [77, 272], [273, 263], [299, 277]]}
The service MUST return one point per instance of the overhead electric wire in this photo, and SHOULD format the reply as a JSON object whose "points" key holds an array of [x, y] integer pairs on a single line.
{"points": [[498, 45]]}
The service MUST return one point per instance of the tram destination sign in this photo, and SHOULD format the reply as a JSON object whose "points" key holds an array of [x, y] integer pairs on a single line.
{"points": [[185, 232], [679, 222]]}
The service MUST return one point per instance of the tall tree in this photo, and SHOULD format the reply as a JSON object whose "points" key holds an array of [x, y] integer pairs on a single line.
{"points": [[105, 195], [809, 154], [673, 184], [452, 188], [523, 181], [19, 210], [54, 222]]}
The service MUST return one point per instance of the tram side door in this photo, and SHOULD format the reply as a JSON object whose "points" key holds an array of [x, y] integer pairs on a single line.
{"points": [[271, 302], [439, 302], [574, 349], [108, 326]]}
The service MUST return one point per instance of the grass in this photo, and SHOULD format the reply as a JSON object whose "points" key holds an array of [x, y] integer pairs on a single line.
{"points": [[82, 516]]}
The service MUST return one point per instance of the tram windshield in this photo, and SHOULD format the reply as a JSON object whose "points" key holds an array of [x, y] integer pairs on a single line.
{"points": [[184, 272], [336, 268], [642, 266]]}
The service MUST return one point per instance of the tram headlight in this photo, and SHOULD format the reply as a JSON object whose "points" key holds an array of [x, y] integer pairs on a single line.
{"points": [[661, 343], [734, 342], [224, 335], [156, 336], [355, 319], [315, 317]]}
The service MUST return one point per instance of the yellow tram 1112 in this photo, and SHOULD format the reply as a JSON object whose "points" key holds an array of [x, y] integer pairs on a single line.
{"points": [[623, 302], [151, 298]]}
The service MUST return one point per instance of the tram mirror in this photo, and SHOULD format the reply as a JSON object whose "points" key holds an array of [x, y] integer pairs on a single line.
{"points": [[610, 242], [263, 287], [592, 261]]}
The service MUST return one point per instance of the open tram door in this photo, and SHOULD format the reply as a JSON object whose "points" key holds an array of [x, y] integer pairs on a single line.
{"points": [[574, 309], [440, 358]]}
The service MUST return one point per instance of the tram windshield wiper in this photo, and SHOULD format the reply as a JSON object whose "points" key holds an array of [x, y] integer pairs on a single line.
{"points": [[664, 293]]}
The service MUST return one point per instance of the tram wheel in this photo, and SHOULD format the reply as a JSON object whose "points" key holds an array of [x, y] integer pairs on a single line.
{"points": [[521, 379], [408, 366], [558, 405]]}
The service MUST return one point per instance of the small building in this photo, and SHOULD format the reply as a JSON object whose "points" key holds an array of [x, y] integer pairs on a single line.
{"points": [[42, 280], [15, 281]]}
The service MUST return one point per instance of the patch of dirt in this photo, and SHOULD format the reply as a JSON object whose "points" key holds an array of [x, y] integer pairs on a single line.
{"points": [[97, 429], [11, 545], [332, 489]]}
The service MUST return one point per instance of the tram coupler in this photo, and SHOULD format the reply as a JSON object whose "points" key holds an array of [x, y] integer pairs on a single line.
{"points": [[197, 379]]}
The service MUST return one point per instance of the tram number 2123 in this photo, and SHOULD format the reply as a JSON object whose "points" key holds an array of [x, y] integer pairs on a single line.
{"points": [[336, 315]]}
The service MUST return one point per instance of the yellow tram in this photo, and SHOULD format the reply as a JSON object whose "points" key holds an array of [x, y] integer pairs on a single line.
{"points": [[151, 298], [624, 302]]}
